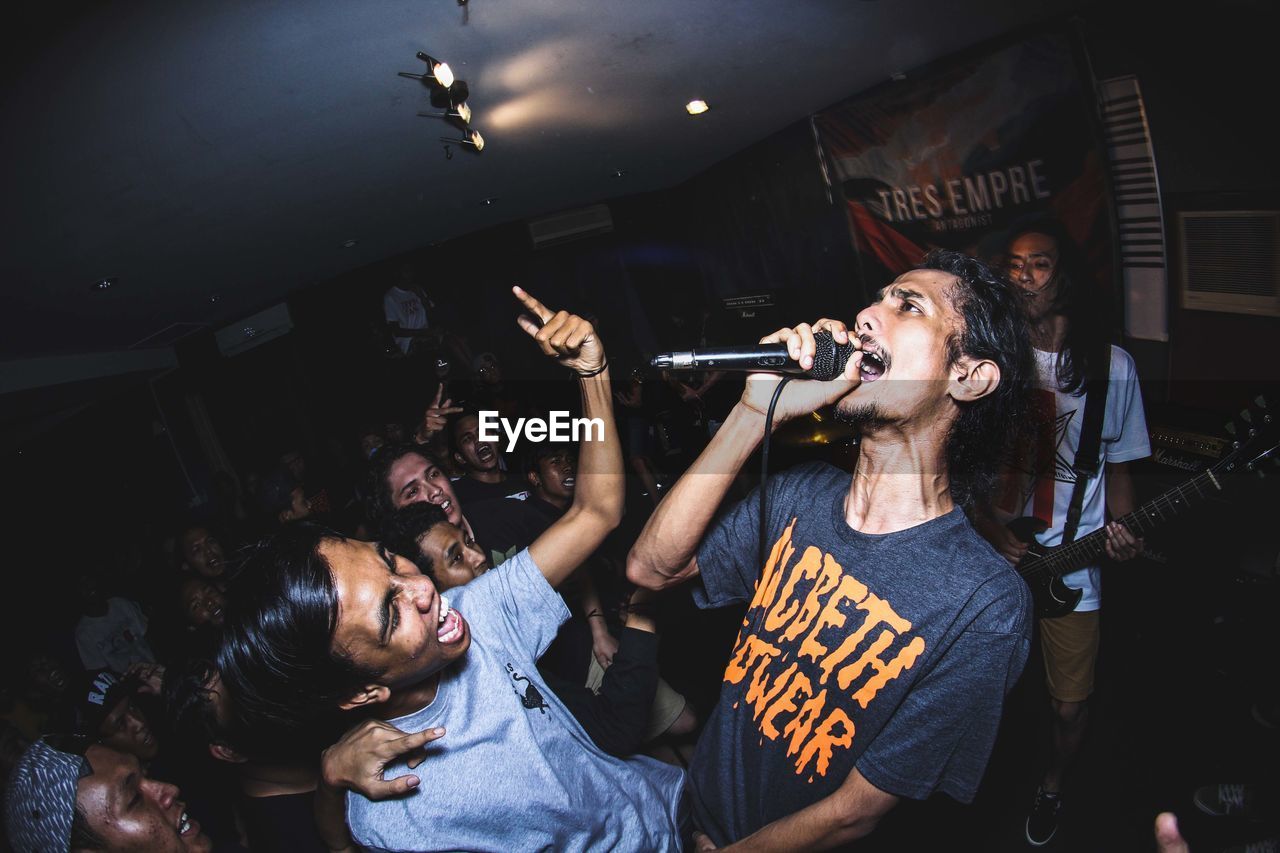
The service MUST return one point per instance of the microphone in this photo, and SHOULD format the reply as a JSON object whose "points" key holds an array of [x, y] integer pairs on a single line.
{"points": [[829, 359]]}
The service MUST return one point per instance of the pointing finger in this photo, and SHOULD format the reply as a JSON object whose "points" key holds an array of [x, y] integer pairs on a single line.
{"points": [[528, 300], [416, 739]]}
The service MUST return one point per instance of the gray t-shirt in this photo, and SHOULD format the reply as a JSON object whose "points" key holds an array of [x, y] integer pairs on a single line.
{"points": [[515, 770], [889, 653]]}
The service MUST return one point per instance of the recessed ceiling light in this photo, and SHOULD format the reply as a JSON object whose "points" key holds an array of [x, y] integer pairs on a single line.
{"points": [[350, 244], [214, 299], [103, 284], [696, 107], [490, 200], [618, 173]]}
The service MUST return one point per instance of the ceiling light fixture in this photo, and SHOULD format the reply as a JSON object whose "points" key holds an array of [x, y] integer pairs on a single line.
{"points": [[472, 140], [460, 113], [438, 73], [696, 107], [103, 284], [350, 244]]}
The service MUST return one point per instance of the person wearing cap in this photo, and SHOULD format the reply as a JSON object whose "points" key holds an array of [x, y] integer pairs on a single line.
{"points": [[67, 793], [105, 711]]}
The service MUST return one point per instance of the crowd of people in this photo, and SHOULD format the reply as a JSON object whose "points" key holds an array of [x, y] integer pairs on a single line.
{"points": [[461, 650]]}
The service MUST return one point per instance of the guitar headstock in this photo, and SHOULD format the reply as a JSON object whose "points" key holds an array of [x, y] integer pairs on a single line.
{"points": [[1255, 435]]}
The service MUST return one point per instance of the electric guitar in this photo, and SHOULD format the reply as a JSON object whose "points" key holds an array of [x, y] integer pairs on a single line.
{"points": [[1257, 436]]}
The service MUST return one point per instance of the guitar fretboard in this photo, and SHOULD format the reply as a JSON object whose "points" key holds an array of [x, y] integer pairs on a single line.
{"points": [[1144, 519]]}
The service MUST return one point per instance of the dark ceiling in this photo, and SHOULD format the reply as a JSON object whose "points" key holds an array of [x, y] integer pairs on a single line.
{"points": [[216, 156]]}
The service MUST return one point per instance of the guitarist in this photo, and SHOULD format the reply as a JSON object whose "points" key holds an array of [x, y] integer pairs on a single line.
{"points": [[1046, 481]]}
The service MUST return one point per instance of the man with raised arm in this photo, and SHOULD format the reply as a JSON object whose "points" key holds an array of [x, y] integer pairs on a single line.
{"points": [[882, 632], [322, 623]]}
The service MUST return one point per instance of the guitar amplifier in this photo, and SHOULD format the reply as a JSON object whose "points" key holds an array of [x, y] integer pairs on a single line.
{"points": [[1185, 450]]}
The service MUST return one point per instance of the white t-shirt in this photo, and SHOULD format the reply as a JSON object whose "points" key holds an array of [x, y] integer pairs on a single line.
{"points": [[1044, 480], [405, 309], [116, 639]]}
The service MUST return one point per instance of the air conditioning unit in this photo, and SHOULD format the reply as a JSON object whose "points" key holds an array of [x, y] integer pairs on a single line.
{"points": [[1231, 261], [254, 331], [570, 225]]}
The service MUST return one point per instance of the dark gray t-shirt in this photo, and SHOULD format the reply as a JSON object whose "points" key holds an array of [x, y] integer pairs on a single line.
{"points": [[889, 653], [515, 770]]}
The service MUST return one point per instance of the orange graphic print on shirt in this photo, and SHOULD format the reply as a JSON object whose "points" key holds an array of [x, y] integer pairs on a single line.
{"points": [[807, 656]]}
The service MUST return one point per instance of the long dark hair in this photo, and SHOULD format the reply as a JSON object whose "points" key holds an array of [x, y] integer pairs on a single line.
{"points": [[401, 530], [378, 498], [1086, 318], [995, 328], [276, 656]]}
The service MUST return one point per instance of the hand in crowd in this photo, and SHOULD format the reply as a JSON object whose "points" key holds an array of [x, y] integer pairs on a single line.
{"points": [[1168, 838], [568, 338], [359, 759], [1121, 544], [150, 677], [603, 645], [629, 395], [689, 395], [801, 398], [436, 417]]}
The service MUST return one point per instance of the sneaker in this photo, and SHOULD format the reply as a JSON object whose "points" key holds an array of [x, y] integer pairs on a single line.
{"points": [[1222, 800], [1042, 822]]}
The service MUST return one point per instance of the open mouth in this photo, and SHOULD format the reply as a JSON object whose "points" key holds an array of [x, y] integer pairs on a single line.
{"points": [[872, 367], [568, 482], [449, 629], [484, 453], [186, 825]]}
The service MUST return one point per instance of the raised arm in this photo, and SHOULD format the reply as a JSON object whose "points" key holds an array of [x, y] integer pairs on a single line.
{"points": [[598, 495], [665, 553]]}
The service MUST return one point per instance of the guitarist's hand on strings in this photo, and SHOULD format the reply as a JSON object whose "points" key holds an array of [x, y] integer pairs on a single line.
{"points": [[1121, 544], [1001, 538], [1010, 547]]}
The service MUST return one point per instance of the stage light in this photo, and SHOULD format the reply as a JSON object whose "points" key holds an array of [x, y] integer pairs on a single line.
{"points": [[461, 113], [438, 72], [696, 107], [473, 140]]}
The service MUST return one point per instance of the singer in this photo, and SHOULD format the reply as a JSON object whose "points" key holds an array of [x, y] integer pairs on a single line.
{"points": [[882, 633]]}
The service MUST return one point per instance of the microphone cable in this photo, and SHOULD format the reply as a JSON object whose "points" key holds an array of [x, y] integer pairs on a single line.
{"points": [[764, 470]]}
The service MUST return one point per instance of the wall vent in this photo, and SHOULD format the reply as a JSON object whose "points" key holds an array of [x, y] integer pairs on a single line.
{"points": [[1231, 261]]}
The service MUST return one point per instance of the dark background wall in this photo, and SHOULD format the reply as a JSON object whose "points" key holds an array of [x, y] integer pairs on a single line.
{"points": [[757, 222]]}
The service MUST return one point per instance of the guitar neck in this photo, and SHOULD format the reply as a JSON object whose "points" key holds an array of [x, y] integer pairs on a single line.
{"points": [[1142, 520]]}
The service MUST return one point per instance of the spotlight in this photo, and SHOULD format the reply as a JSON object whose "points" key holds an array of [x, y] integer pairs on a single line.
{"points": [[696, 107], [461, 113], [437, 72], [472, 139]]}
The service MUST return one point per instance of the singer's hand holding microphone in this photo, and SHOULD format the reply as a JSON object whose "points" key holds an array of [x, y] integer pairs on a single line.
{"points": [[824, 353], [829, 357]]}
